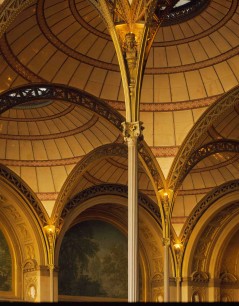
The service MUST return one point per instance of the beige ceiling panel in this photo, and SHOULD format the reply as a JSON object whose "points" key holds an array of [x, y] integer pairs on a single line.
{"points": [[49, 205], [226, 75], [187, 183], [54, 7], [77, 38], [183, 121], [59, 176], [33, 128], [147, 119], [104, 133], [43, 128], [212, 15], [97, 48], [159, 35], [92, 138], [209, 46], [39, 150], [4, 127], [51, 149], [117, 175], [110, 132], [31, 51], [227, 175], [45, 180], [87, 44], [52, 126], [164, 134], [3, 144], [38, 62], [211, 82], [160, 57], [217, 174], [23, 128], [195, 85], [62, 26], [186, 54], [178, 209], [147, 89], [195, 26], [69, 35], [177, 32], [12, 149], [111, 86], [234, 65], [75, 146], [198, 181], [16, 169], [3, 65], [24, 22], [26, 152], [95, 82], [197, 113], [150, 60], [55, 63], [7, 77], [162, 92], [179, 87], [221, 43], [107, 53], [173, 57], [80, 76], [69, 168], [208, 178], [230, 35], [204, 24], [67, 70], [190, 202], [63, 147], [84, 142], [234, 169], [28, 174], [19, 81], [186, 29], [20, 44], [165, 164], [198, 51], [168, 34]]}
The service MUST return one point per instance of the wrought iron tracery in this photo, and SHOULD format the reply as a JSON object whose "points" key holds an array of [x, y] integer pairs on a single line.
{"points": [[108, 189], [18, 184], [208, 149], [211, 115]]}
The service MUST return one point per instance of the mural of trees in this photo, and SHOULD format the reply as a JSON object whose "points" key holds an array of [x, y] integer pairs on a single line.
{"points": [[93, 261], [5, 265]]}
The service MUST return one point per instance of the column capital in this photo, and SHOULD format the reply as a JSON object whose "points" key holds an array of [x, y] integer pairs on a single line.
{"points": [[166, 241], [132, 130]]}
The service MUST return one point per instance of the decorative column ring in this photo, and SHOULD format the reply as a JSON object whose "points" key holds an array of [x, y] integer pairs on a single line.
{"points": [[132, 132], [50, 231]]}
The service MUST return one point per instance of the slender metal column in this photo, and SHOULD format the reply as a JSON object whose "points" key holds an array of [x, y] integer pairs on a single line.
{"points": [[132, 132], [51, 236], [166, 244]]}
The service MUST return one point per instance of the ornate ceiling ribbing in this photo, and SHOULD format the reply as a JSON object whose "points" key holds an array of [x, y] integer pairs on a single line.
{"points": [[105, 189], [203, 205], [19, 185], [207, 150], [229, 101]]}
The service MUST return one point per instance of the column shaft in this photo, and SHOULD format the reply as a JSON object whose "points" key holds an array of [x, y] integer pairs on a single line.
{"points": [[133, 261]]}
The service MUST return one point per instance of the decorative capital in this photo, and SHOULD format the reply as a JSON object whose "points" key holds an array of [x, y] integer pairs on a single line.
{"points": [[166, 241], [132, 130]]}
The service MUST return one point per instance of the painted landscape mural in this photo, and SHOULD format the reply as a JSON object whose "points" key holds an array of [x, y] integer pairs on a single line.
{"points": [[5, 265], [93, 261]]}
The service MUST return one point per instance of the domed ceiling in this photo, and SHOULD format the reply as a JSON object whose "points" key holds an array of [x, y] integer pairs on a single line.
{"points": [[193, 62]]}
